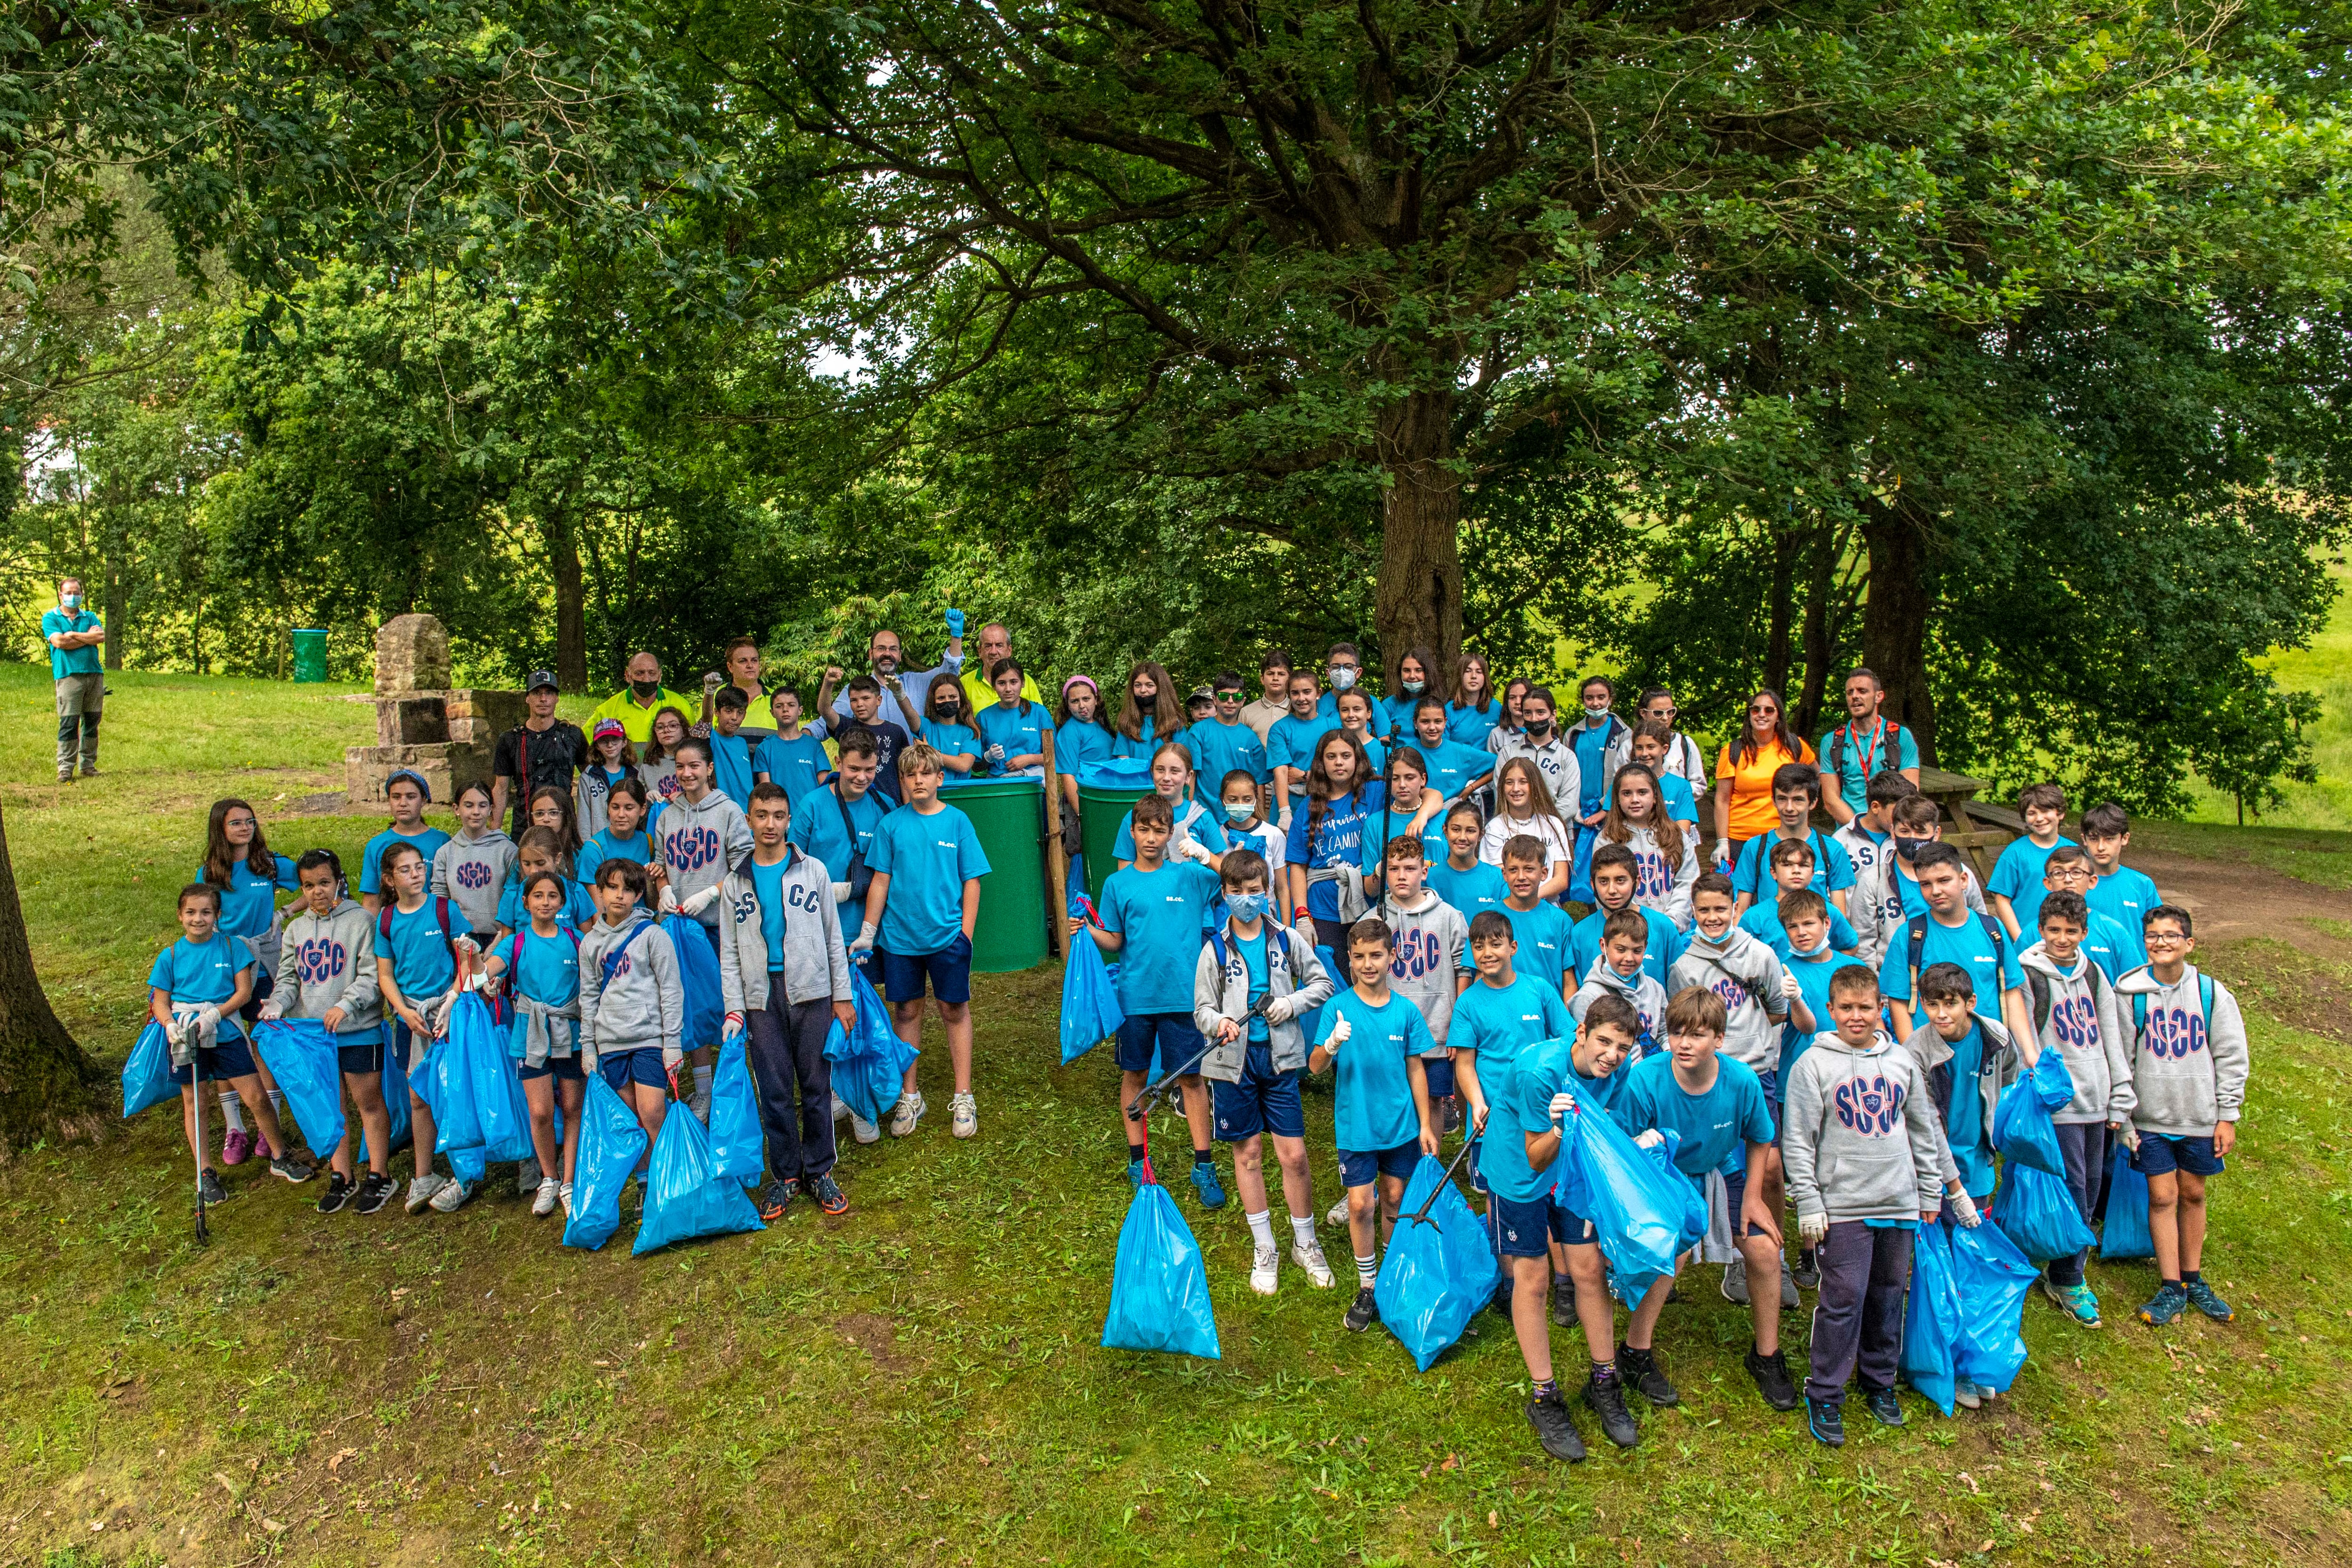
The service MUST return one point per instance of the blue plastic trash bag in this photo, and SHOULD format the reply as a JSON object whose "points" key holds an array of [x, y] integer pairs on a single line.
{"points": [[697, 976], [395, 1103], [1438, 1273], [440, 1082], [685, 1195], [501, 1116], [1931, 1317], [1090, 1012], [738, 1150], [869, 1062], [1311, 1020], [1991, 1277], [147, 1076], [2125, 1234], [2021, 1128], [1117, 773], [1159, 1288], [300, 1055], [610, 1145], [2034, 1210], [1644, 1207]]}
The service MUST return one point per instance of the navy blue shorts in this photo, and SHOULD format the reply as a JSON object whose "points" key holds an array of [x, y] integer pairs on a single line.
{"points": [[1770, 1077], [264, 983], [1735, 1193], [232, 1058], [643, 1065], [2160, 1156], [1357, 1166], [1172, 1034], [1524, 1229], [359, 1054], [404, 1045], [1264, 1100], [567, 1068], [1440, 1072], [947, 973]]}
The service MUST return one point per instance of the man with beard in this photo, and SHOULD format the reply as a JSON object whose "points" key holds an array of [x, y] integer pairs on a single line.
{"points": [[911, 689], [634, 706]]}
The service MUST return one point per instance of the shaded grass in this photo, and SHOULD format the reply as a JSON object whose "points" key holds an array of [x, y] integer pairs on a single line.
{"points": [[919, 1381]]}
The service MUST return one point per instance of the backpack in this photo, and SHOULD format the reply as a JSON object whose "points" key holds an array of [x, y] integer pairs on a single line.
{"points": [[2037, 985], [861, 876], [1919, 943], [2204, 1005], [440, 918], [1891, 735]]}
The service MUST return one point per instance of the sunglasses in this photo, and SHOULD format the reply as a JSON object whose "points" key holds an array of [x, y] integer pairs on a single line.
{"points": [[1763, 709], [1229, 696]]}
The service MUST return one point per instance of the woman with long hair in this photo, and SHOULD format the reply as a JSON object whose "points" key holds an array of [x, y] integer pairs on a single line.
{"points": [[1525, 805], [1326, 851], [1664, 865], [1197, 834], [657, 766], [1416, 678], [1471, 716], [1150, 714], [1743, 797]]}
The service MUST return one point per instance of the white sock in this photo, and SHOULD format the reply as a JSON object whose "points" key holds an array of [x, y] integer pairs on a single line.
{"points": [[1261, 1226], [702, 1080], [232, 1111], [1367, 1271], [278, 1103], [1302, 1231]]}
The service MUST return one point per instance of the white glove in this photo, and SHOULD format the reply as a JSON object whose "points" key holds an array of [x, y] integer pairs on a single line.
{"points": [[208, 1016], [1811, 1228], [694, 904], [1788, 987], [465, 945], [841, 891], [1281, 1010], [734, 1024], [667, 903], [1191, 850], [1650, 1139], [671, 1057], [1563, 1105], [1340, 1029], [272, 1010], [1964, 1209], [481, 980], [994, 754], [437, 1015], [1722, 856], [864, 942]]}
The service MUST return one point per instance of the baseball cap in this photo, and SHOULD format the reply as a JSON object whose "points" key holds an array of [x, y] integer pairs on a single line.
{"points": [[542, 678], [605, 727]]}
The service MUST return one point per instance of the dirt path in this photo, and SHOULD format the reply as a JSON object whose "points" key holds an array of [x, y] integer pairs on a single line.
{"points": [[2237, 900]]}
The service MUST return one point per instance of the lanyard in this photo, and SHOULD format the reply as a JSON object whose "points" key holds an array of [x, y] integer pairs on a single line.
{"points": [[1877, 739]]}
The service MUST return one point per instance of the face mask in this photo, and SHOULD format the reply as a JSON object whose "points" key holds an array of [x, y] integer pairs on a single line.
{"points": [[1413, 688], [70, 601], [1539, 727], [1248, 907], [1343, 679], [646, 689], [1909, 848], [1596, 713], [1241, 813]]}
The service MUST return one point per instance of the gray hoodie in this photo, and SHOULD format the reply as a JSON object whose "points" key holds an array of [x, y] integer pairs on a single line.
{"points": [[1648, 997], [816, 965], [2085, 1025], [2188, 1071], [699, 842], [471, 873], [645, 1007], [1859, 1137], [1294, 982], [1999, 1066], [328, 962], [1427, 969], [1747, 976]]}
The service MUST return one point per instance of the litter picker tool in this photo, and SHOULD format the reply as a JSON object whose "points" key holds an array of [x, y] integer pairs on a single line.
{"points": [[1421, 1215], [1141, 1104], [196, 1083]]}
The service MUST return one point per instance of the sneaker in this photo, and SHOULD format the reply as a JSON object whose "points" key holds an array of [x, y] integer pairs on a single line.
{"points": [[1807, 1271], [2169, 1302], [209, 1190], [909, 1114], [699, 1103], [1788, 1286], [89, 770], [292, 1167], [1266, 1264], [840, 1107], [2076, 1300], [963, 1116], [237, 1147], [772, 1198], [1826, 1422], [1884, 1407], [2201, 1297], [543, 1202], [421, 1191], [453, 1195], [1735, 1281], [374, 1192], [1205, 1183], [1965, 1394], [1563, 1307], [1449, 1116], [337, 1195], [1337, 1214], [1308, 1255], [1639, 1368], [827, 1192], [1362, 1313], [1607, 1400], [65, 776], [1772, 1379], [864, 1131], [564, 1199], [1555, 1429]]}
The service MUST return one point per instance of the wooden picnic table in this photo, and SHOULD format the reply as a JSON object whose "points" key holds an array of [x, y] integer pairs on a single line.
{"points": [[1978, 830]]}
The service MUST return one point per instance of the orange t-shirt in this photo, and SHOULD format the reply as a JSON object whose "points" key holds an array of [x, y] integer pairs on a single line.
{"points": [[1749, 786]]}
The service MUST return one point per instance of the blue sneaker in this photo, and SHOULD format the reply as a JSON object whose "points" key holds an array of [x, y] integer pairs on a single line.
{"points": [[2076, 1300], [1826, 1421], [2200, 1296], [1205, 1182], [2169, 1302]]}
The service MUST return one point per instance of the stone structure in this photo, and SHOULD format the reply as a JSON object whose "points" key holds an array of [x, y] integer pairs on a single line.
{"points": [[421, 723]]}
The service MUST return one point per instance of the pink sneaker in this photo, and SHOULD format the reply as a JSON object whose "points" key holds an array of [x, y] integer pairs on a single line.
{"points": [[237, 1147]]}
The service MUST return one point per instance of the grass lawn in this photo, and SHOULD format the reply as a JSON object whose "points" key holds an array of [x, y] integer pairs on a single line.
{"points": [[920, 1382]]}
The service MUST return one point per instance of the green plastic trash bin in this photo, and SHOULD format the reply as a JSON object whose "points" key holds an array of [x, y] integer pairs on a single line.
{"points": [[1100, 810], [1008, 816], [309, 652]]}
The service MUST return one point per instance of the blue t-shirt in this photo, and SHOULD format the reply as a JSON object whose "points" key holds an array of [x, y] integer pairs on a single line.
{"points": [[1339, 842], [2017, 877], [1867, 752], [428, 841], [605, 845], [1376, 754], [1198, 822], [1326, 708], [250, 901], [579, 910], [1021, 733], [955, 740], [1763, 922], [421, 964], [1547, 938], [929, 859], [1964, 1127], [1078, 744], [1451, 767], [768, 886], [1472, 725], [2109, 946], [1221, 748], [1162, 915], [1473, 892], [1712, 1125], [1673, 793], [1590, 744], [1253, 951], [793, 766], [1372, 1097], [730, 766], [824, 830], [546, 968], [1147, 739], [1666, 944], [1972, 945], [2125, 896], [64, 662], [1814, 980], [1518, 1103], [1833, 867], [1393, 824], [1498, 1022], [1290, 740], [203, 972], [1396, 712]]}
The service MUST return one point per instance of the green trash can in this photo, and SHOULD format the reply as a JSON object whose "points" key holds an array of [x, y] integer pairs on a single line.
{"points": [[1008, 816], [310, 653], [1101, 809]]}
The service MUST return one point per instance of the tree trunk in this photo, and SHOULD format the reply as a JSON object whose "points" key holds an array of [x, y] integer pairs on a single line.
{"points": [[118, 613], [47, 1086], [571, 602], [1786, 542], [1419, 600], [1817, 627], [1895, 619]]}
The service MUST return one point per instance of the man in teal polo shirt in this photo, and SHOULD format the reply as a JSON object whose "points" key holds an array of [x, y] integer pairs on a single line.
{"points": [[1866, 746], [74, 636], [635, 705]]}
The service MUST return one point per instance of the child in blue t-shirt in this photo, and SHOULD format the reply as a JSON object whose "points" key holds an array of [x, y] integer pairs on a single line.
{"points": [[731, 767], [926, 864], [540, 965], [1324, 857], [2070, 868], [1950, 932], [1544, 932], [194, 992], [1796, 790], [1452, 768], [626, 835], [793, 757], [1616, 872], [420, 943], [1379, 1100], [950, 730], [1462, 879], [1414, 811], [541, 849], [1792, 871], [2015, 886], [1198, 835], [1354, 711], [1012, 729], [1223, 743], [1246, 827], [239, 865], [407, 793], [1809, 955], [2121, 894], [1500, 1014]]}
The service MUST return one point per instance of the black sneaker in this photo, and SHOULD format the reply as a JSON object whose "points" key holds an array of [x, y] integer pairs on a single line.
{"points": [[1555, 1429], [374, 1192], [1639, 1368], [774, 1198], [1826, 1421], [1808, 1270], [1772, 1380], [1563, 1306], [209, 1188], [337, 1194], [1882, 1405], [828, 1193], [1501, 1302], [293, 1168], [1449, 1116], [1607, 1400], [1362, 1313]]}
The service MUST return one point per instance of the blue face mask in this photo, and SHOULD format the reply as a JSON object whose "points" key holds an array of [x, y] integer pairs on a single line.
{"points": [[1343, 677], [1248, 907], [1241, 813], [1413, 688], [70, 601]]}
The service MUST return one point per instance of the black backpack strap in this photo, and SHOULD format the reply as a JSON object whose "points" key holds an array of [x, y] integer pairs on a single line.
{"points": [[2038, 986]]}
